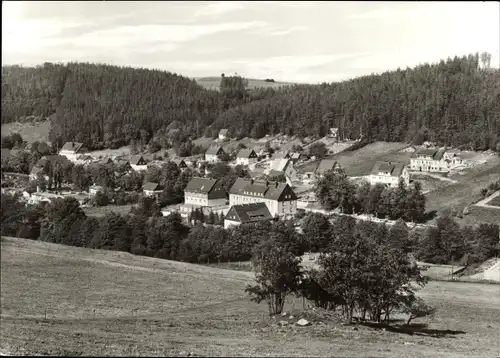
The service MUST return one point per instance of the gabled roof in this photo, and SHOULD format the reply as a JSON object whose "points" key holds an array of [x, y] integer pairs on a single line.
{"points": [[325, 165], [135, 159], [179, 161], [394, 169], [212, 187], [269, 189], [72, 146], [247, 213], [279, 164], [150, 186], [214, 150], [435, 154], [246, 153]]}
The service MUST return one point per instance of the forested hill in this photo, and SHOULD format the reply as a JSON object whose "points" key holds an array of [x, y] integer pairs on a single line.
{"points": [[453, 102]]}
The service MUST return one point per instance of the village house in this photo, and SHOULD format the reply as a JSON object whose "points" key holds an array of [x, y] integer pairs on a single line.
{"points": [[246, 157], [326, 165], [334, 132], [223, 134], [138, 163], [94, 189], [433, 160], [213, 154], [123, 165], [181, 164], [388, 173], [152, 189], [71, 150], [279, 198], [84, 159], [204, 192], [247, 213], [285, 167]]}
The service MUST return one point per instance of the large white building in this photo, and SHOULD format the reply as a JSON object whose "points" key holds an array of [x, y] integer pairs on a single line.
{"points": [[204, 192], [434, 160], [388, 173], [71, 150], [279, 198], [246, 157]]}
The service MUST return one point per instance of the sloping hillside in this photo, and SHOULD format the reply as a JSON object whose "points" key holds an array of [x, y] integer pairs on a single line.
{"points": [[67, 301]]}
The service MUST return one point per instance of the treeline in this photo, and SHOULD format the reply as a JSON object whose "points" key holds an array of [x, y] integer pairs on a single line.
{"points": [[454, 102], [334, 190], [444, 243]]}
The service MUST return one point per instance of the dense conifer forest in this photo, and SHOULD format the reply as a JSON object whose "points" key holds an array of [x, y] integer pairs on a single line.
{"points": [[454, 102]]}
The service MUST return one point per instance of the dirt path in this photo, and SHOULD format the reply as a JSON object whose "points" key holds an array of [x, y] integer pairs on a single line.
{"points": [[487, 200], [435, 176]]}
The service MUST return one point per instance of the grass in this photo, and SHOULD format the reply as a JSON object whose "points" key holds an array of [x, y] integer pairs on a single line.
{"points": [[468, 189], [63, 300], [29, 131], [360, 162], [99, 211], [479, 214], [214, 83]]}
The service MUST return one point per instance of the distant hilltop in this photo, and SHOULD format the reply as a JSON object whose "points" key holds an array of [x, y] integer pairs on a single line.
{"points": [[213, 82]]}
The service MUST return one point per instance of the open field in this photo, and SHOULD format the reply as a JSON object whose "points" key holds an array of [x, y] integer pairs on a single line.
{"points": [[479, 214], [65, 300], [360, 162], [30, 131], [99, 211], [214, 83], [468, 189]]}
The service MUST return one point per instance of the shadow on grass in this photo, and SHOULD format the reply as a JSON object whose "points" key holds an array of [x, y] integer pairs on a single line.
{"points": [[416, 329]]}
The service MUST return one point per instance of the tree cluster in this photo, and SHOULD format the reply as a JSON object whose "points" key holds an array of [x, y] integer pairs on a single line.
{"points": [[334, 190]]}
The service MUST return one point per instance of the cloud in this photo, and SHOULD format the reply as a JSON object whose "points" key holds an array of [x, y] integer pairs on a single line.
{"points": [[219, 8], [281, 32]]}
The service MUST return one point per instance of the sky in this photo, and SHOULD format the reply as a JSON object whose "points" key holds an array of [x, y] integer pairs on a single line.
{"points": [[308, 42]]}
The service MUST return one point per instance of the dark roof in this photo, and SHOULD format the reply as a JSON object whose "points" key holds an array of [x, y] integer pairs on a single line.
{"points": [[214, 150], [179, 161], [150, 186], [72, 146], [394, 169], [135, 159], [435, 154], [246, 153], [212, 187], [269, 189], [247, 213], [326, 164]]}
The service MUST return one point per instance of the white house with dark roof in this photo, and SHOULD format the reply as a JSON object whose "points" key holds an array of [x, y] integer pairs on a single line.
{"points": [[279, 198], [181, 164], [247, 213], [213, 154], [246, 157], [434, 160], [388, 173], [71, 150], [151, 189], [223, 134], [138, 163], [326, 165], [205, 192]]}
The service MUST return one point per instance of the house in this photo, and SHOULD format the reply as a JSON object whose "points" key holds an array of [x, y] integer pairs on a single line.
{"points": [[334, 132], [223, 134], [247, 213], [181, 164], [246, 157], [151, 189], [84, 159], [279, 198], [71, 150], [205, 192], [94, 189], [326, 165], [388, 173], [430, 160], [213, 154], [282, 154], [123, 165], [43, 197], [296, 157], [35, 171], [284, 166], [138, 163]]}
